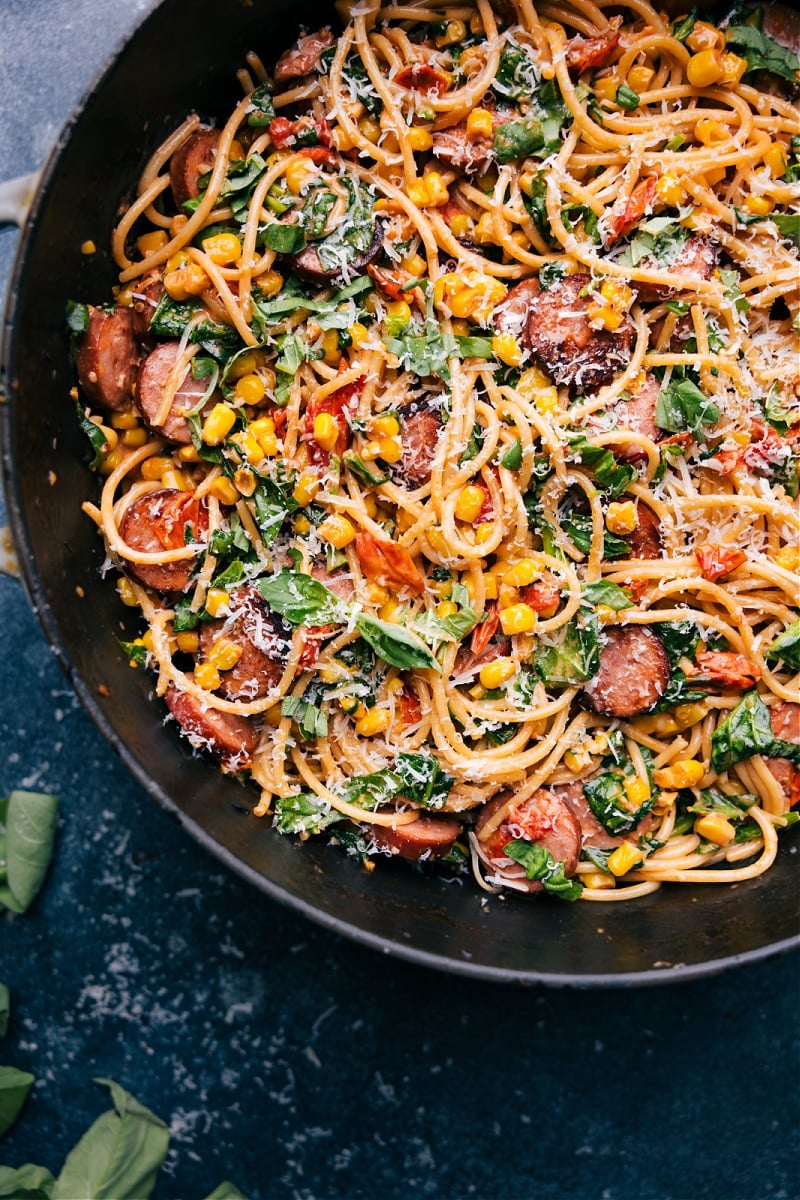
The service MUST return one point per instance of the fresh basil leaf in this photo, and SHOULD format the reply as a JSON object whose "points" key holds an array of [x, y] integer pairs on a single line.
{"points": [[598, 858], [550, 274], [627, 98], [512, 459], [371, 791], [301, 599], [733, 291], [573, 213], [679, 307], [261, 111], [763, 53], [305, 813], [747, 730], [28, 1182], [395, 644], [517, 76], [573, 658], [609, 595], [184, 618], [540, 864], [680, 639], [578, 528], [474, 347], [97, 439], [786, 647], [119, 1156], [535, 203], [682, 406], [712, 800], [361, 471], [518, 139], [284, 239], [14, 1088], [611, 475], [272, 503], [310, 719], [788, 226], [27, 834], [135, 652], [609, 802], [422, 779], [77, 317]]}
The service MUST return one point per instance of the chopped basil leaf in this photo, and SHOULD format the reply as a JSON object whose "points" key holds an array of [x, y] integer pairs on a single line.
{"points": [[682, 28], [261, 111], [395, 644], [97, 439], [540, 864], [611, 475], [747, 731], [311, 721], [712, 800], [512, 459], [14, 1088], [763, 53], [305, 813], [606, 793], [77, 317], [284, 239], [609, 595], [682, 406], [135, 652], [627, 98], [786, 647], [301, 600], [361, 471], [423, 780], [572, 658]]}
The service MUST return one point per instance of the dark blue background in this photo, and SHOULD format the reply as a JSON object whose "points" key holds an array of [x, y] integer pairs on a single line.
{"points": [[293, 1063]]}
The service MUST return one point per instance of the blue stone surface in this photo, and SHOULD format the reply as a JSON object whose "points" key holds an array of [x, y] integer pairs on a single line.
{"points": [[293, 1063]]}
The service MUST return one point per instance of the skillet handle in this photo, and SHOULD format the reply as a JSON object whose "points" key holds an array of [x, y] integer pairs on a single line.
{"points": [[15, 198]]}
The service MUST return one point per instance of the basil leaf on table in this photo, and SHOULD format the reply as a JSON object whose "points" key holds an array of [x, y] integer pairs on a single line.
{"points": [[14, 1088], [119, 1156], [27, 833], [395, 644], [27, 1182]]}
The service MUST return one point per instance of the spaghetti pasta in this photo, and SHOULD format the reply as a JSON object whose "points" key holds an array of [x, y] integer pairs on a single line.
{"points": [[448, 411]]}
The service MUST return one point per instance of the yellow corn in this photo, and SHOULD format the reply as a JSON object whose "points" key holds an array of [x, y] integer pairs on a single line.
{"points": [[518, 618], [758, 205], [522, 574], [489, 584], [685, 773], [153, 468], [733, 68], [148, 243], [218, 424], [506, 347], [245, 481], [418, 193], [390, 449], [446, 608], [454, 31], [498, 672], [326, 430], [216, 600], [223, 248], [608, 317], [715, 828], [775, 159], [710, 132], [399, 310], [207, 676], [190, 280], [387, 426], [577, 760], [640, 78], [469, 294], [484, 532], [687, 715], [263, 427], [419, 138], [606, 88], [125, 420], [134, 437], [370, 128], [460, 225], [788, 558], [623, 859], [126, 593], [598, 880], [246, 364], [389, 610], [337, 531], [670, 190], [188, 641], [358, 334], [299, 174], [479, 124], [173, 478], [224, 654], [249, 446], [621, 516], [302, 524], [341, 139], [705, 37], [437, 190], [485, 232], [705, 69], [224, 491], [376, 721], [250, 389], [376, 594], [469, 503], [306, 488], [270, 283], [88, 247], [637, 790], [712, 176], [415, 264]]}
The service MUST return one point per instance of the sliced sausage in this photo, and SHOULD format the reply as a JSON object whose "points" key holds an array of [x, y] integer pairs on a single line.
{"points": [[420, 429], [633, 673], [420, 840], [265, 641], [545, 819], [782, 24], [108, 358], [592, 832], [232, 738], [303, 57], [785, 720], [471, 156], [638, 413], [558, 331], [153, 375], [339, 582], [158, 521], [309, 264], [696, 259], [581, 53], [645, 541], [190, 161], [147, 293]]}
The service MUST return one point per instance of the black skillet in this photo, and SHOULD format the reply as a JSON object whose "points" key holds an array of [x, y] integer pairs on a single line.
{"points": [[184, 55]]}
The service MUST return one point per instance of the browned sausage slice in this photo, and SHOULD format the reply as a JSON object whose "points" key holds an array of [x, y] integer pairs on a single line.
{"points": [[545, 819], [633, 674], [309, 264], [232, 738], [592, 832], [638, 413], [421, 428], [782, 24], [785, 720], [158, 521], [512, 315], [472, 156], [265, 641], [645, 541], [153, 376], [303, 57], [147, 293], [696, 259], [191, 160], [108, 358], [420, 840]]}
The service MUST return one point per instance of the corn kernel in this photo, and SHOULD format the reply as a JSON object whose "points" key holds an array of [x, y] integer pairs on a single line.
{"points": [[262, 427], [218, 424], [621, 517], [637, 790], [245, 481], [146, 640], [249, 446], [153, 468], [225, 653], [387, 426], [577, 760], [489, 584], [326, 430], [733, 68], [598, 880], [469, 503], [337, 531], [454, 31], [705, 68], [758, 205], [341, 139], [376, 721], [715, 828], [216, 600], [173, 478], [521, 574], [207, 677], [419, 138], [390, 449], [479, 124], [460, 225], [187, 454], [624, 859], [88, 247], [302, 525], [149, 243], [400, 311], [710, 132], [484, 532], [389, 610], [125, 420], [126, 592], [640, 78], [687, 715], [270, 283], [685, 773], [506, 347], [358, 334], [190, 280], [498, 672], [606, 88], [704, 36], [775, 159], [445, 609], [273, 716], [134, 437], [224, 491], [415, 264], [518, 618], [485, 232], [438, 194], [306, 488], [299, 174], [371, 506], [607, 316], [712, 176], [418, 192], [223, 248], [376, 594], [369, 128], [788, 558], [670, 190], [250, 390], [188, 641]]}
